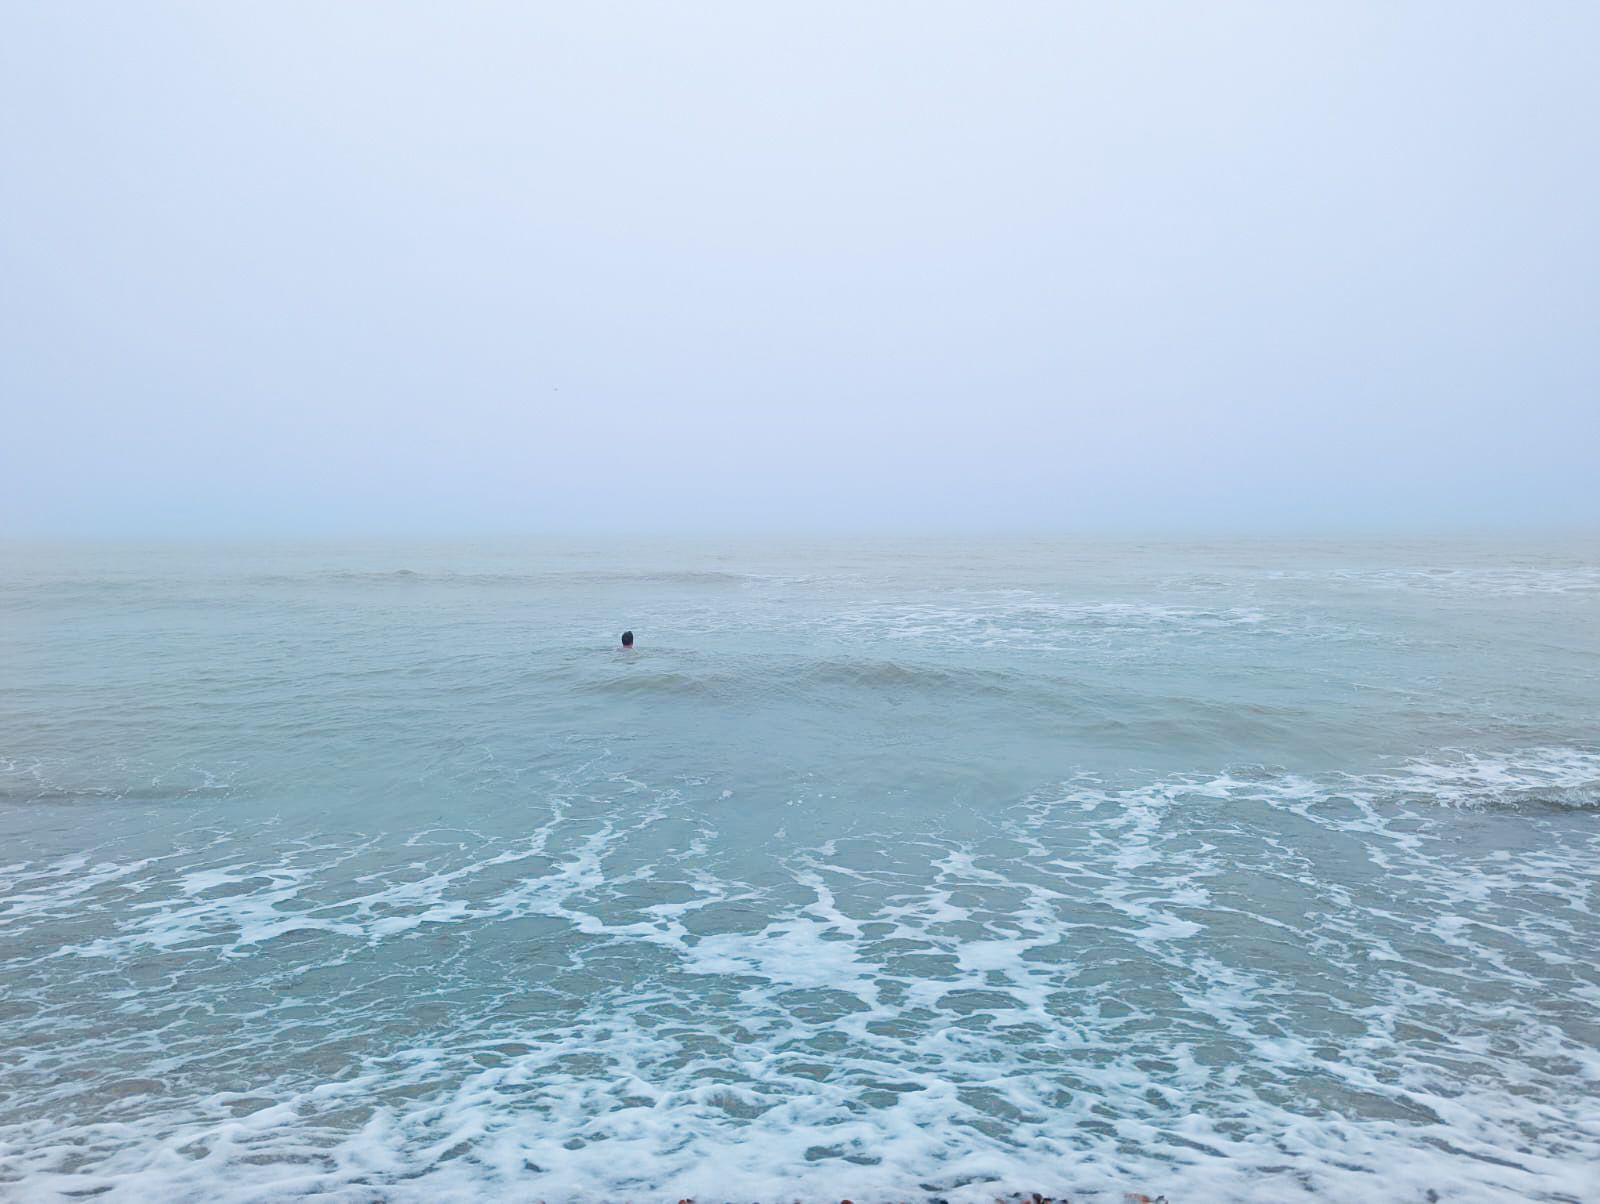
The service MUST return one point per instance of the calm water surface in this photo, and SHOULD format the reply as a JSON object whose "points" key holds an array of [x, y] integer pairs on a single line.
{"points": [[1234, 871]]}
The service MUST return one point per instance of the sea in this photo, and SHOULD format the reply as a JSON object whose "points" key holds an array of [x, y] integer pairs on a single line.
{"points": [[880, 870]]}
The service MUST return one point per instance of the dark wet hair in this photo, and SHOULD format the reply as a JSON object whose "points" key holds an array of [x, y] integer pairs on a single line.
{"points": [[627, 639]]}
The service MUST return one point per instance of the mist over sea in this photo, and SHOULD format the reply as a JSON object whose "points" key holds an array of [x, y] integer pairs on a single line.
{"points": [[890, 870]]}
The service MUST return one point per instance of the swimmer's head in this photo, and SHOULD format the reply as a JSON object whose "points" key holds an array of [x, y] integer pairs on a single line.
{"points": [[627, 639]]}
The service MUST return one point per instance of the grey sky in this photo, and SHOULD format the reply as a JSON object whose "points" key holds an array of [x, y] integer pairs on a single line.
{"points": [[432, 268]]}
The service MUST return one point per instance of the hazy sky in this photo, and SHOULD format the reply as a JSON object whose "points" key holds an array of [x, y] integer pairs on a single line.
{"points": [[283, 268]]}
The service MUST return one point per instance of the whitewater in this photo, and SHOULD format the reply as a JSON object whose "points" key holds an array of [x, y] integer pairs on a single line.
{"points": [[1229, 870]]}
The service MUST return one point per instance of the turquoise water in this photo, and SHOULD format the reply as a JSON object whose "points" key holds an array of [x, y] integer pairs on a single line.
{"points": [[1233, 871]]}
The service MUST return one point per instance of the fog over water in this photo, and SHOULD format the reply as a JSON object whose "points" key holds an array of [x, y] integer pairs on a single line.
{"points": [[298, 268], [1106, 498]]}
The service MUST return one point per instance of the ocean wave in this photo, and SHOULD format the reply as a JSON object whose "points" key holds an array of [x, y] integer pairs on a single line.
{"points": [[1241, 984], [186, 589], [1562, 778], [1510, 582], [643, 578], [825, 676], [1044, 624], [24, 781]]}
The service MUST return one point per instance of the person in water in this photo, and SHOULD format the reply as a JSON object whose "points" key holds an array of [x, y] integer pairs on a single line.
{"points": [[627, 640]]}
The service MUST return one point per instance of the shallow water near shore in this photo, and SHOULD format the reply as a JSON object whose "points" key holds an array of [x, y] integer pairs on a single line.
{"points": [[1230, 870]]}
